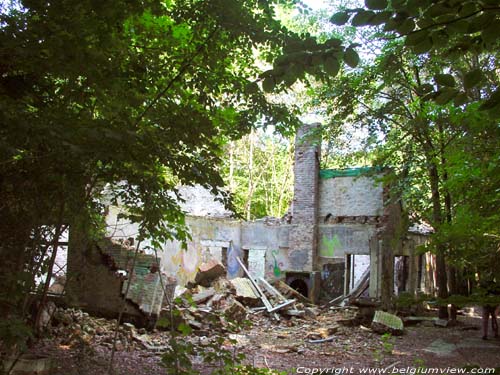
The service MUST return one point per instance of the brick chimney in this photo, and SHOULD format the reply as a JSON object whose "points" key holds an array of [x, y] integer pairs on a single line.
{"points": [[303, 238]]}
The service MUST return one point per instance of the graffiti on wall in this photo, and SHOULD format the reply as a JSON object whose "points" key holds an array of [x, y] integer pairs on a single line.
{"points": [[330, 246], [187, 262], [338, 240], [233, 267], [276, 265]]}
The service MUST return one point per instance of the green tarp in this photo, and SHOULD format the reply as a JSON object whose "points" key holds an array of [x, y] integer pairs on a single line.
{"points": [[348, 172]]}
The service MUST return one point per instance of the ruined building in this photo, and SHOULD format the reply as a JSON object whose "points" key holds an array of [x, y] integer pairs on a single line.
{"points": [[343, 230]]}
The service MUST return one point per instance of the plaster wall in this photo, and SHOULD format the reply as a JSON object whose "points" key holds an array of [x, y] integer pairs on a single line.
{"points": [[336, 240], [350, 196], [210, 238]]}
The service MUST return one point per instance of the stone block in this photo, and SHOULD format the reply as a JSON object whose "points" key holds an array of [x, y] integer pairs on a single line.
{"points": [[244, 291], [203, 295], [235, 311], [208, 272], [384, 322]]}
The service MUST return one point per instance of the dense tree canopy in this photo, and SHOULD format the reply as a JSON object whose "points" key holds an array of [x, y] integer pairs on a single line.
{"points": [[431, 115], [449, 28], [127, 97]]}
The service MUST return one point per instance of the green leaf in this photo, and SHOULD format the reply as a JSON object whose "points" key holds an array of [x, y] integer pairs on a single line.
{"points": [[458, 27], [468, 8], [340, 18], [440, 39], [251, 88], [397, 4], [424, 89], [334, 42], [331, 66], [445, 80], [380, 18], [406, 27], [376, 4], [416, 38], [184, 329], [460, 99], [472, 78], [268, 84], [438, 9], [492, 102], [490, 35], [423, 47], [351, 57], [445, 95], [362, 18], [413, 7]]}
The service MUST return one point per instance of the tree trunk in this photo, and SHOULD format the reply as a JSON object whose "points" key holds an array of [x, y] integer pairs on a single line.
{"points": [[453, 289], [442, 280]]}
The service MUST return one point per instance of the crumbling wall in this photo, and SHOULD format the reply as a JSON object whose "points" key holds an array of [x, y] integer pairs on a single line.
{"points": [[145, 289], [270, 240], [351, 209], [97, 278], [211, 238]]}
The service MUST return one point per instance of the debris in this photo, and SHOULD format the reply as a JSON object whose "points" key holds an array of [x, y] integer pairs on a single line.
{"points": [[208, 272], [323, 332], [46, 315], [202, 294], [311, 312], [384, 322], [361, 287], [261, 294], [470, 328], [295, 312], [413, 320], [289, 292], [244, 291], [280, 348], [179, 291], [239, 340], [441, 323], [235, 311], [129, 326], [319, 341], [58, 286], [29, 364]]}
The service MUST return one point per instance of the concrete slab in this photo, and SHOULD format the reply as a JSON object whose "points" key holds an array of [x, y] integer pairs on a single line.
{"points": [[442, 348], [479, 343]]}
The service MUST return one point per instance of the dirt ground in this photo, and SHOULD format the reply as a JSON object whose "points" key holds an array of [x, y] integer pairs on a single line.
{"points": [[285, 346]]}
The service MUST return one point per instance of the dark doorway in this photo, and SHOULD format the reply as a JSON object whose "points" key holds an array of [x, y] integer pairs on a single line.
{"points": [[300, 286], [332, 280]]}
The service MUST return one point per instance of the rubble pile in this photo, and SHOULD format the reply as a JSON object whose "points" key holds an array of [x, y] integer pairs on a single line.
{"points": [[74, 328], [213, 302]]}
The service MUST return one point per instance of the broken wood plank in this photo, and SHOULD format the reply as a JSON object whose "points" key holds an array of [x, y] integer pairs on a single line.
{"points": [[328, 339], [272, 289], [256, 285], [284, 304]]}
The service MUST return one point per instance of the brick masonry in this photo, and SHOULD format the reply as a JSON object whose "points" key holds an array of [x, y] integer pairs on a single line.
{"points": [[96, 285], [145, 289], [304, 232]]}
